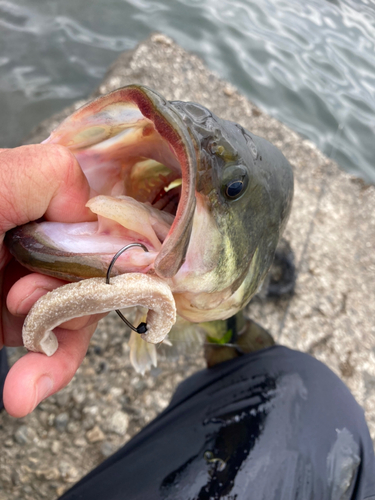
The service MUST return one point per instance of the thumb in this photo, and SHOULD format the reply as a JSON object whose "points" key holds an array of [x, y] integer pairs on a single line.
{"points": [[41, 180]]}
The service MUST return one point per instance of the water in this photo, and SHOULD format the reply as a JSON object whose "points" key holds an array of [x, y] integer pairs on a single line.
{"points": [[309, 64]]}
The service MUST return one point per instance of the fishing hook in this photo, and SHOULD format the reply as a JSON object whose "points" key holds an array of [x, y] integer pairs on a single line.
{"points": [[142, 327]]}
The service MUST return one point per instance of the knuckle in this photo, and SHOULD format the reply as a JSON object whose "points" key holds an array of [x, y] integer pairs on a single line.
{"points": [[62, 161]]}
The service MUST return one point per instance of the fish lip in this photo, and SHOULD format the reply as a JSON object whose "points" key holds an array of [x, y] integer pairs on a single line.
{"points": [[31, 252], [169, 124]]}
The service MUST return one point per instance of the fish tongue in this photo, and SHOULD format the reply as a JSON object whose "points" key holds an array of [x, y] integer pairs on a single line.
{"points": [[150, 223]]}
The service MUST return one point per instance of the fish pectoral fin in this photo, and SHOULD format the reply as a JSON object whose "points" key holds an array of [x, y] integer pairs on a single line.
{"points": [[142, 354]]}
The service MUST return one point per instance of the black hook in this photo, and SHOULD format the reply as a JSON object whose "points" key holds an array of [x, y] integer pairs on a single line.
{"points": [[142, 327]]}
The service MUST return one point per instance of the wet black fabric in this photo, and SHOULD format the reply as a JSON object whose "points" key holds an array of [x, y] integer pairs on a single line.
{"points": [[272, 425], [4, 368]]}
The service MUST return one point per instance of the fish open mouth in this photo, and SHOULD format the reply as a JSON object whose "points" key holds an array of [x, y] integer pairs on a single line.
{"points": [[140, 161]]}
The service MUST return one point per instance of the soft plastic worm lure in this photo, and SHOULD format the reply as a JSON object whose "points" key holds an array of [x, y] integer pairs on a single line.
{"points": [[92, 296]]}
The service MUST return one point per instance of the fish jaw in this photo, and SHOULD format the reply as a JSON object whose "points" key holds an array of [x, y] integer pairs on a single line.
{"points": [[129, 142], [44, 247]]}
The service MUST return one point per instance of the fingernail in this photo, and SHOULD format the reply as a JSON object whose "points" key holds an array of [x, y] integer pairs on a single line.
{"points": [[44, 388]]}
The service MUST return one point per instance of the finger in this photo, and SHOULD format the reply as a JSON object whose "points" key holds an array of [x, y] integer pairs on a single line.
{"points": [[36, 376], [14, 327], [82, 322], [19, 300], [22, 296], [40, 180], [27, 290]]}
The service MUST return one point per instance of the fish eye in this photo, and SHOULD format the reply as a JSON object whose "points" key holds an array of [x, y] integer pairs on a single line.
{"points": [[234, 181], [234, 188]]}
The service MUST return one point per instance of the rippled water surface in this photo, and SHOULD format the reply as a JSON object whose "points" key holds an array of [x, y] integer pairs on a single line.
{"points": [[310, 64]]}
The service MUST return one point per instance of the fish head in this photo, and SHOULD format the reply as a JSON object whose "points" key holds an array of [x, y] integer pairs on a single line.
{"points": [[208, 199], [244, 191]]}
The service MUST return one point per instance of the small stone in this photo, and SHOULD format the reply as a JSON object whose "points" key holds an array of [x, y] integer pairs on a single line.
{"points": [[75, 414], [118, 423], [88, 422], [8, 443], [62, 398], [24, 435], [68, 472], [43, 444], [5, 473], [105, 388], [56, 447], [33, 461], [61, 421], [6, 480], [89, 372], [73, 427], [107, 449], [116, 392], [15, 477], [46, 405], [25, 476], [78, 395], [134, 411], [43, 418], [102, 367], [80, 442], [49, 474], [61, 490], [163, 39], [43, 406], [98, 349], [229, 90], [139, 384], [95, 435], [91, 410]]}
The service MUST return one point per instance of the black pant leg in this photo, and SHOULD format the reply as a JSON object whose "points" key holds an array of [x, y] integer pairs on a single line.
{"points": [[272, 425]]}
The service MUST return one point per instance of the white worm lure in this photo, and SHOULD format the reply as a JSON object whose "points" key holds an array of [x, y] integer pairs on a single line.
{"points": [[92, 296]]}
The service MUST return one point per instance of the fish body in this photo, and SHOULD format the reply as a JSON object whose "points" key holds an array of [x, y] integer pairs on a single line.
{"points": [[207, 198]]}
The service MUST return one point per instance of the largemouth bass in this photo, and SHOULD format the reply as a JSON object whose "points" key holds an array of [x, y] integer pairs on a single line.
{"points": [[207, 198]]}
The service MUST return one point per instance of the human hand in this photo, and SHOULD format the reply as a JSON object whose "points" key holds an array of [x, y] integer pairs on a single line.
{"points": [[36, 181]]}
